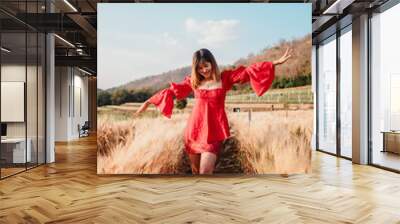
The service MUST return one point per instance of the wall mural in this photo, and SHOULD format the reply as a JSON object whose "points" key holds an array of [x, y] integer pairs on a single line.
{"points": [[204, 88]]}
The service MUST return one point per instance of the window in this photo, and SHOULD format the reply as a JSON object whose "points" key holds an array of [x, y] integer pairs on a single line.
{"points": [[346, 92], [385, 89], [23, 77], [327, 95]]}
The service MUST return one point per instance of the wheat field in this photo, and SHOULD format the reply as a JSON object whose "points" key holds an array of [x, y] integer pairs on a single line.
{"points": [[271, 142]]}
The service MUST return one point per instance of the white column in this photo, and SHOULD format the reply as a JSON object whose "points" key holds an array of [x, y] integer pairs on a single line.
{"points": [[50, 92], [50, 99], [360, 90]]}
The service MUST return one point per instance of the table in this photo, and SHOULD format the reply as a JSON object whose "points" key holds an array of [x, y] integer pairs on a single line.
{"points": [[391, 141], [13, 150]]}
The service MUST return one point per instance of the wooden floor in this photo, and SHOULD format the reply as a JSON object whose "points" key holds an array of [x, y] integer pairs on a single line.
{"points": [[70, 191], [10, 171], [388, 159]]}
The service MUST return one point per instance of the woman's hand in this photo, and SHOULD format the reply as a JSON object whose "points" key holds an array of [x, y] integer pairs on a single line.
{"points": [[284, 58], [142, 108]]}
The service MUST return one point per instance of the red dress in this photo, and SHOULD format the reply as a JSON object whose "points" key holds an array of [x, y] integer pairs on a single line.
{"points": [[208, 125]]}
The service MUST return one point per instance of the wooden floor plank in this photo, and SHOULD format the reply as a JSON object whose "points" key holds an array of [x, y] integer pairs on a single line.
{"points": [[70, 191]]}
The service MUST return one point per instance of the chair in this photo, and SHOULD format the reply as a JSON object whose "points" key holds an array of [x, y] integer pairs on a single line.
{"points": [[84, 130]]}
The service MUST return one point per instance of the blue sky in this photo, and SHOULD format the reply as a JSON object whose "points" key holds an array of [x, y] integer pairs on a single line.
{"points": [[136, 40]]}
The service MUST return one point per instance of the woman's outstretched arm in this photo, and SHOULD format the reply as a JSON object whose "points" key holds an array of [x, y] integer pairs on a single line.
{"points": [[142, 108], [284, 57], [164, 99], [260, 74]]}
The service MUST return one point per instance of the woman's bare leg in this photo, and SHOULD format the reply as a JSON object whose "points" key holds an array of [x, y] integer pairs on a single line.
{"points": [[194, 163], [207, 162]]}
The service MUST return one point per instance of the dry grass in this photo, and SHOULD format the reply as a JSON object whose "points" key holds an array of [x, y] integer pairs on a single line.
{"points": [[151, 146], [272, 143], [112, 135]]}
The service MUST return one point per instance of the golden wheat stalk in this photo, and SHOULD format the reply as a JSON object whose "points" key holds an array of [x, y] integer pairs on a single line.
{"points": [[271, 143]]}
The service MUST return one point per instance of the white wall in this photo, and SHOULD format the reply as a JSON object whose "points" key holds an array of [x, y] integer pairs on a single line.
{"points": [[62, 80], [12, 73], [33, 126], [71, 87], [81, 84]]}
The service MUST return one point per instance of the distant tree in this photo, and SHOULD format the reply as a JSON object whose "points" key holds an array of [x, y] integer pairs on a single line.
{"points": [[289, 83], [284, 82], [139, 96], [103, 98], [181, 104], [120, 96]]}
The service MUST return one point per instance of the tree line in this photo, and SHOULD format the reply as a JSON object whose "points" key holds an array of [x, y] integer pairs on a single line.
{"points": [[122, 96]]}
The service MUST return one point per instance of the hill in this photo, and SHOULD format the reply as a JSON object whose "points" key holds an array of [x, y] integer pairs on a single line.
{"points": [[299, 65]]}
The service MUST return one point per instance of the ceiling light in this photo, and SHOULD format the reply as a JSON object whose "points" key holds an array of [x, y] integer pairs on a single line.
{"points": [[64, 40], [5, 49], [338, 6], [70, 5], [79, 51], [86, 72]]}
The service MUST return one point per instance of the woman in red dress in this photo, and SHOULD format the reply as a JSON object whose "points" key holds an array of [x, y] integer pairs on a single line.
{"points": [[208, 126]]}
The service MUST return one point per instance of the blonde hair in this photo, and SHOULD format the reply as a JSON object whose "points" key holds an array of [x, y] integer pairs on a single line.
{"points": [[199, 57]]}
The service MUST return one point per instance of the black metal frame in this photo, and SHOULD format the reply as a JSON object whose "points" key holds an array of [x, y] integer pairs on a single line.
{"points": [[369, 90], [44, 79], [338, 98], [337, 34]]}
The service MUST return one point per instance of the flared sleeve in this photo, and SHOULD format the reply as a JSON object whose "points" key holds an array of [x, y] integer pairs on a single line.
{"points": [[164, 99], [260, 75]]}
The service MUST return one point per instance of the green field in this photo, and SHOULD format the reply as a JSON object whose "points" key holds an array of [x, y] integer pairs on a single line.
{"points": [[300, 98], [300, 95]]}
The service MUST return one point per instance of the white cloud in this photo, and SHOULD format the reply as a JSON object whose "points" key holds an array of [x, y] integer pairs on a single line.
{"points": [[213, 33], [168, 39], [126, 56], [164, 39]]}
